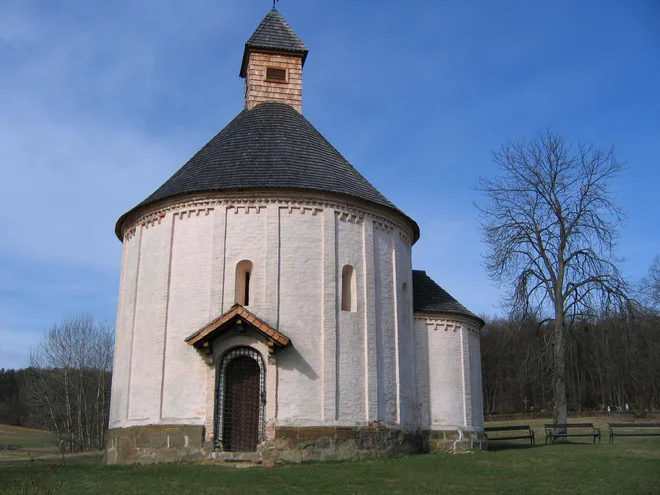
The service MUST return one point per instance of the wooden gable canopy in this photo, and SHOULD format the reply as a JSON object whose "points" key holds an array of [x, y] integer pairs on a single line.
{"points": [[236, 317]]}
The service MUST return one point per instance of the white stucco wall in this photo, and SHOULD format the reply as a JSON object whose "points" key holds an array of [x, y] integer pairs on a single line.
{"points": [[244, 239], [179, 273], [351, 360], [386, 344], [145, 370], [300, 315], [189, 288], [406, 339], [449, 383], [477, 407], [124, 331]]}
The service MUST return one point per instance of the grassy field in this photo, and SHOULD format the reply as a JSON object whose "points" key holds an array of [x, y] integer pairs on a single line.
{"points": [[631, 465], [25, 443]]}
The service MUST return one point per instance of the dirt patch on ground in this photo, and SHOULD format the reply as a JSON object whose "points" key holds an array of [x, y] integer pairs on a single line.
{"points": [[19, 430], [618, 417], [49, 457], [20, 445], [24, 444]]}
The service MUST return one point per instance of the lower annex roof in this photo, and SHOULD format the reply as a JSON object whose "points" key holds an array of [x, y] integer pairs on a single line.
{"points": [[429, 297]]}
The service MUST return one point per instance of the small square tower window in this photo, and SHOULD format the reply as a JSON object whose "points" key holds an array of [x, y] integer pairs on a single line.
{"points": [[276, 75]]}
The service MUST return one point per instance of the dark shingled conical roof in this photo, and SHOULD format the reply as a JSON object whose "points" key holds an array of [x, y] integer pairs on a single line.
{"points": [[273, 35], [271, 146], [429, 297]]}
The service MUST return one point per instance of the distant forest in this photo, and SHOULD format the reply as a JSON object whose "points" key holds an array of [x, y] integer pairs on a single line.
{"points": [[613, 360]]}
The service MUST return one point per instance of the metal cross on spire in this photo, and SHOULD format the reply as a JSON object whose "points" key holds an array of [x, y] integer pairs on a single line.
{"points": [[274, 2]]}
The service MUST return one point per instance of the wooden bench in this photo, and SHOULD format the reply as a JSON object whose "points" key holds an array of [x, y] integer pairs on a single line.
{"points": [[529, 434], [588, 430], [628, 426]]}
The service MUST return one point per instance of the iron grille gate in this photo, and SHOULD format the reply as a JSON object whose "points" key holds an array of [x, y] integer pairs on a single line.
{"points": [[241, 397]]}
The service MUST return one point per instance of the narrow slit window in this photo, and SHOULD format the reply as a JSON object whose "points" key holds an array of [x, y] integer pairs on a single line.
{"points": [[348, 289], [247, 288], [275, 74], [243, 275]]}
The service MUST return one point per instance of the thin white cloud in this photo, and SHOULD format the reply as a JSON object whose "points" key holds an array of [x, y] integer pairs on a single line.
{"points": [[71, 162], [64, 184]]}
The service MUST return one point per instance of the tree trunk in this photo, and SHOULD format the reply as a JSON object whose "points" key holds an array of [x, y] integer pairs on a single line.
{"points": [[560, 409]]}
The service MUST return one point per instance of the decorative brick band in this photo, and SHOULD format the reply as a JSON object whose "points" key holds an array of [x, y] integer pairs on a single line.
{"points": [[202, 204], [447, 324]]}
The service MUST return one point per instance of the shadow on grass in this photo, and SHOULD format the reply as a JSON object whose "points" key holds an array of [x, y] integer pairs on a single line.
{"points": [[494, 445], [572, 442]]}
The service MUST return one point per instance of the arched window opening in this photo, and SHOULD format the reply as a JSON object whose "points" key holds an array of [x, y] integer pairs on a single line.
{"points": [[348, 289], [243, 274]]}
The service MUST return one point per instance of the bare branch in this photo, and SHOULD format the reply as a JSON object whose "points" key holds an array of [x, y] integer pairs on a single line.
{"points": [[70, 374], [650, 285], [551, 226]]}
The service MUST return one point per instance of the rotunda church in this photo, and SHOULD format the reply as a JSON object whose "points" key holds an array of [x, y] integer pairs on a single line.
{"points": [[268, 309]]}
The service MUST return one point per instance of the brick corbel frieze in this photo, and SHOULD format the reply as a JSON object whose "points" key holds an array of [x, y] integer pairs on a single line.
{"points": [[203, 206], [448, 324]]}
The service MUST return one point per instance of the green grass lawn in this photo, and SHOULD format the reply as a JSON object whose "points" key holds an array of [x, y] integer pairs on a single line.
{"points": [[632, 465]]}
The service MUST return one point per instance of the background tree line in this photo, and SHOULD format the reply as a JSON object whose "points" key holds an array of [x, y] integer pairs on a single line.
{"points": [[66, 388], [612, 360]]}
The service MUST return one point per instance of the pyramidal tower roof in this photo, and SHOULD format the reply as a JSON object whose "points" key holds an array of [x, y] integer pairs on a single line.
{"points": [[269, 145], [273, 34]]}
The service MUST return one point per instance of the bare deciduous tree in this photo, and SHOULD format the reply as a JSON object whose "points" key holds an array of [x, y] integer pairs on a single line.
{"points": [[551, 226], [651, 283], [69, 381]]}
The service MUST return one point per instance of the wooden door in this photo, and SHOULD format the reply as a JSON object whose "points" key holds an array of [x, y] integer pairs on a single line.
{"points": [[241, 406]]}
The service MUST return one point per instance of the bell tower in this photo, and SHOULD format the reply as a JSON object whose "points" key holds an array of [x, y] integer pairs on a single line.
{"points": [[272, 64]]}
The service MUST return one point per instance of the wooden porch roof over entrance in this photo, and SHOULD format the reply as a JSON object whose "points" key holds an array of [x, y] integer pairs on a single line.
{"points": [[236, 317]]}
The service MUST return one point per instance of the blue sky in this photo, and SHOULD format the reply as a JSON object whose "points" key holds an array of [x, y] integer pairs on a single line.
{"points": [[100, 102]]}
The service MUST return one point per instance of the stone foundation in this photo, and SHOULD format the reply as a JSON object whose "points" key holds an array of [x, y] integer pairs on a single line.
{"points": [[150, 444], [292, 444]]}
